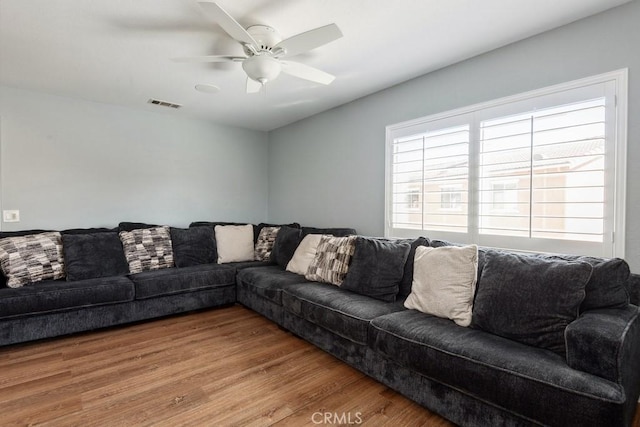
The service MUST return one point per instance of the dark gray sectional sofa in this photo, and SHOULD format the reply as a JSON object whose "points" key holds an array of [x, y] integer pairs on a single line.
{"points": [[57, 307], [469, 376]]}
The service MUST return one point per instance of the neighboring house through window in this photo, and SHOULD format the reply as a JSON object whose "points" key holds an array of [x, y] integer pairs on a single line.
{"points": [[451, 197]]}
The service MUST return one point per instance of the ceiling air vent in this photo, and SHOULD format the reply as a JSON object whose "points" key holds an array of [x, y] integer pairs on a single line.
{"points": [[163, 103]]}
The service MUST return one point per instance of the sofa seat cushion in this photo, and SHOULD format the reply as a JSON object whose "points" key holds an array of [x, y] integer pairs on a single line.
{"points": [[268, 282], [150, 284], [344, 313], [56, 295], [489, 367]]}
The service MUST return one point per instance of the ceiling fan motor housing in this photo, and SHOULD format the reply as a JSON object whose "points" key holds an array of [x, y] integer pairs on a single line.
{"points": [[266, 37]]}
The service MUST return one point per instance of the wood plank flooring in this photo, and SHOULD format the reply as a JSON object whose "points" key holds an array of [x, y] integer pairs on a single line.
{"points": [[225, 367]]}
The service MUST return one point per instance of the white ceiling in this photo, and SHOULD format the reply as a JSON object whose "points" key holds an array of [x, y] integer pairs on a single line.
{"points": [[117, 51]]}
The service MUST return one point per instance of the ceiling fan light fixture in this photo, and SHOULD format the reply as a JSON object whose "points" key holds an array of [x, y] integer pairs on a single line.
{"points": [[262, 68], [264, 49]]}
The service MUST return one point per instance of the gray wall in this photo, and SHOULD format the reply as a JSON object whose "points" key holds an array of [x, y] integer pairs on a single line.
{"points": [[72, 163], [328, 170]]}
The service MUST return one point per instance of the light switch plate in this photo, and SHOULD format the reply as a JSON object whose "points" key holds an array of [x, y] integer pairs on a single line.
{"points": [[11, 216]]}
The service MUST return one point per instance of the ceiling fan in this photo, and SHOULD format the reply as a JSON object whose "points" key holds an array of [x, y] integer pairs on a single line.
{"points": [[265, 49]]}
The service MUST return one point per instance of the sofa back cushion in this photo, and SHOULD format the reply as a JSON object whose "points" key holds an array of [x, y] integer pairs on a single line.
{"points": [[633, 288], [5, 234], [258, 228], [147, 249], [91, 230], [335, 231], [193, 246], [93, 255], [607, 286], [528, 298], [377, 267], [285, 245], [32, 258], [407, 277], [214, 224], [130, 226]]}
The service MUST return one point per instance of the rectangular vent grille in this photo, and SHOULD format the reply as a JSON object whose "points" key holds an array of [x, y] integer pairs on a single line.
{"points": [[163, 103]]}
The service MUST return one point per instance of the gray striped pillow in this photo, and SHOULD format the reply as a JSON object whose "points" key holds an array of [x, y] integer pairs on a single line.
{"points": [[264, 245], [147, 249], [32, 258], [331, 263]]}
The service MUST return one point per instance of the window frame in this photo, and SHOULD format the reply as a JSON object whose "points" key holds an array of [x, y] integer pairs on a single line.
{"points": [[613, 244]]}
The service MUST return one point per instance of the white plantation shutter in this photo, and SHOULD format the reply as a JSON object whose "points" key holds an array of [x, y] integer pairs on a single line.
{"points": [[429, 175], [554, 161], [542, 171]]}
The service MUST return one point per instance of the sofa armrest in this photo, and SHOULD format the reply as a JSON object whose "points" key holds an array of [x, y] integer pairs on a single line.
{"points": [[606, 343]]}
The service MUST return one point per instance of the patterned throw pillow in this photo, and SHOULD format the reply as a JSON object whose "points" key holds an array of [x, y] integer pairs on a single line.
{"points": [[264, 245], [147, 249], [32, 258], [331, 262]]}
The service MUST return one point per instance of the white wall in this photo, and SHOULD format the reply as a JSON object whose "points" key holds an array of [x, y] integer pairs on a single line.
{"points": [[72, 163], [328, 170]]}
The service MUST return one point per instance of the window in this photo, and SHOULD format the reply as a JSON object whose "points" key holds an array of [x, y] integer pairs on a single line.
{"points": [[541, 171], [413, 199], [451, 197], [503, 196]]}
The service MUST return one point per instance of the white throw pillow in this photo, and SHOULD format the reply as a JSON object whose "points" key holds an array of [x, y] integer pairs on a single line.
{"points": [[444, 282], [304, 254], [234, 243]]}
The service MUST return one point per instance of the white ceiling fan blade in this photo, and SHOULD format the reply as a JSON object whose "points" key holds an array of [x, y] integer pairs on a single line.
{"points": [[210, 58], [309, 40], [306, 72], [253, 86], [226, 21]]}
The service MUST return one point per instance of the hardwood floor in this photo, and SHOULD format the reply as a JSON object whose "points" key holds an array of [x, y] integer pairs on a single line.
{"points": [[226, 367], [220, 367]]}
